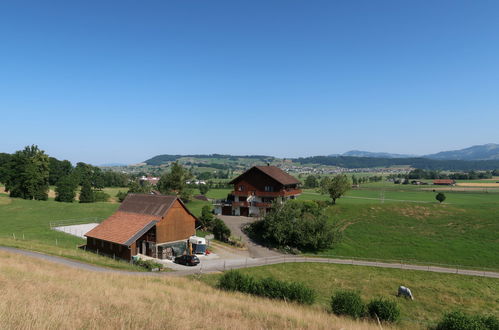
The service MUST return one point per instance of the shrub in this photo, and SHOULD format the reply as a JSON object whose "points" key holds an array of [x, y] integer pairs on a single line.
{"points": [[100, 196], [296, 224], [148, 264], [268, 287], [458, 320], [347, 303], [385, 310], [220, 230], [234, 280], [121, 196]]}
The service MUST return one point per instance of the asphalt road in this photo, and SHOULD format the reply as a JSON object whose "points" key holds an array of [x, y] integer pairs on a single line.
{"points": [[211, 266], [235, 223]]}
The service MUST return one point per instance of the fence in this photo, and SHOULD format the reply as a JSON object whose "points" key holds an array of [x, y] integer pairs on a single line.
{"points": [[70, 222]]}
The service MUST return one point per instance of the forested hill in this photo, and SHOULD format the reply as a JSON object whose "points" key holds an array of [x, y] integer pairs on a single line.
{"points": [[162, 159], [423, 163]]}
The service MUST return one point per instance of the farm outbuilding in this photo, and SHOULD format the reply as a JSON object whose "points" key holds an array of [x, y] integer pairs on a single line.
{"points": [[154, 225], [444, 182]]}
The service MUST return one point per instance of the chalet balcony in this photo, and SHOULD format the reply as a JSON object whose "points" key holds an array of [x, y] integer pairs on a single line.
{"points": [[281, 193], [240, 204]]}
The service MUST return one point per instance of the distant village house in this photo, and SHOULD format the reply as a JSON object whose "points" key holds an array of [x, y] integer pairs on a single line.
{"points": [[444, 182]]}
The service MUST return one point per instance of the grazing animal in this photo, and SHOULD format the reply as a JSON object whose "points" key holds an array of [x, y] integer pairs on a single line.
{"points": [[406, 292]]}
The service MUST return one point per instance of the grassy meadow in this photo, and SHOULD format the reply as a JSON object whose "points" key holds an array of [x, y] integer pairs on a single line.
{"points": [[37, 294], [405, 222], [434, 293]]}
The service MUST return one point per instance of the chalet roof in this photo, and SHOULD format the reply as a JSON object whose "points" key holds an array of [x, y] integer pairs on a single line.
{"points": [[274, 172], [123, 227], [444, 181], [136, 215], [156, 205]]}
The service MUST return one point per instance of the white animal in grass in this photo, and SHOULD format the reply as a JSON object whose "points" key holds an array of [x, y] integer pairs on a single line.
{"points": [[406, 292]]}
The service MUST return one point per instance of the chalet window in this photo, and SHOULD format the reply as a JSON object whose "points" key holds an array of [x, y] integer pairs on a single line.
{"points": [[241, 188], [269, 188]]}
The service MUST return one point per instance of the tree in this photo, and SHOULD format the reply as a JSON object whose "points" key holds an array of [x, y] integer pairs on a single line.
{"points": [[440, 197], [220, 230], [203, 189], [338, 187], [324, 185], [311, 182], [296, 224], [206, 218], [86, 193], [27, 174], [175, 182], [58, 169], [65, 190]]}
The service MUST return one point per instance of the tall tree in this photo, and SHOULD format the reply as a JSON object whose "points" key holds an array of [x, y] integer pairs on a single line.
{"points": [[27, 174], [311, 182], [65, 190], [175, 182], [338, 187], [58, 169], [86, 193]]}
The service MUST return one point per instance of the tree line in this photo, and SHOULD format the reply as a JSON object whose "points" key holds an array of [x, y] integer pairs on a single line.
{"points": [[424, 163], [29, 173], [419, 173]]}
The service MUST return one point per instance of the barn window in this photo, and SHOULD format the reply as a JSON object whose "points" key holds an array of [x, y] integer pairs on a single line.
{"points": [[241, 188], [269, 188]]}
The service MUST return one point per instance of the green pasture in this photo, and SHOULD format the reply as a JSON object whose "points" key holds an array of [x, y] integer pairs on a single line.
{"points": [[434, 293], [412, 226]]}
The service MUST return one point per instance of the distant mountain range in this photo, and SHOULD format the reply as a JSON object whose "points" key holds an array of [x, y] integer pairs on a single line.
{"points": [[480, 152], [358, 153]]}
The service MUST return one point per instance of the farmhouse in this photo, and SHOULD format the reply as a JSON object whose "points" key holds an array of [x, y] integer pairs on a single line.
{"points": [[256, 189], [154, 225], [444, 182]]}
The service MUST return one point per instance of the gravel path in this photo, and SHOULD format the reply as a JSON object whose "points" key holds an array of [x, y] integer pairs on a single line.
{"points": [[211, 266]]}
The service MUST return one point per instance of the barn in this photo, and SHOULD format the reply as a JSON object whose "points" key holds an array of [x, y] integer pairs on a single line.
{"points": [[444, 182], [154, 225]]}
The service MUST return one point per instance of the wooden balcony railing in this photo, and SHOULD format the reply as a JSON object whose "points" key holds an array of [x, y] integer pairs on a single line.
{"points": [[259, 193]]}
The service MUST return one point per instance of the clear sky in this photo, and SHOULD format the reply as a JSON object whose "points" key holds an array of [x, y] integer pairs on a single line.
{"points": [[121, 81]]}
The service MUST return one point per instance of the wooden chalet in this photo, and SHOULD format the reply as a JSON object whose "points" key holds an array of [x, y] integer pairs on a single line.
{"points": [[154, 225], [256, 189]]}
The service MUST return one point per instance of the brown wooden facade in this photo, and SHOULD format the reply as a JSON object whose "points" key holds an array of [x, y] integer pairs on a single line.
{"points": [[258, 188], [170, 221]]}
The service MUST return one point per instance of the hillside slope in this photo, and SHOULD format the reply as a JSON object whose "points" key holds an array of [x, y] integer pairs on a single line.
{"points": [[480, 152], [42, 295]]}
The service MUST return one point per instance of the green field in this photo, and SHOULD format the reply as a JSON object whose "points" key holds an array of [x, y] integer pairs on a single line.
{"points": [[434, 293], [410, 225]]}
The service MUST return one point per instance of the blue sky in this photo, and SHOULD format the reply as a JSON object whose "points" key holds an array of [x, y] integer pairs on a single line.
{"points": [[122, 81]]}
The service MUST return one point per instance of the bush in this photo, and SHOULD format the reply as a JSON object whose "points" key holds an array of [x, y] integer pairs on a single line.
{"points": [[121, 196], [385, 310], [220, 230], [460, 321], [267, 287], [148, 264], [100, 196], [347, 303], [296, 224]]}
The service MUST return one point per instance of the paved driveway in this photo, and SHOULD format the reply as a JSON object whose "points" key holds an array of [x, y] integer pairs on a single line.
{"points": [[235, 223]]}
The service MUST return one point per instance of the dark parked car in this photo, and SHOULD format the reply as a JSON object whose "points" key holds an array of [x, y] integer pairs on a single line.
{"points": [[187, 260]]}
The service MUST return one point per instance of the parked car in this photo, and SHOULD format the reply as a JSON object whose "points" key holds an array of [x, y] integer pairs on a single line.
{"points": [[187, 260]]}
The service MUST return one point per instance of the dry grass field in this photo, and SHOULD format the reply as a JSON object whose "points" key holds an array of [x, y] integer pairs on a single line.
{"points": [[41, 295], [478, 184]]}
